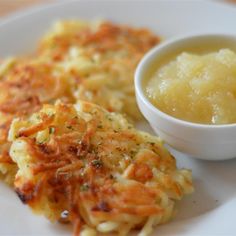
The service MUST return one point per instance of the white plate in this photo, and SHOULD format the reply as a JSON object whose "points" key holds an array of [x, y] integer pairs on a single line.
{"points": [[211, 210]]}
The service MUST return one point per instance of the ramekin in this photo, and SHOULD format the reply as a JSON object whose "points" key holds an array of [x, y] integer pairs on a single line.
{"points": [[209, 142]]}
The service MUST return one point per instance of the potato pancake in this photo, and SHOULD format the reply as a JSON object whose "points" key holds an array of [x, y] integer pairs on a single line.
{"points": [[92, 61], [26, 84], [83, 165], [102, 58]]}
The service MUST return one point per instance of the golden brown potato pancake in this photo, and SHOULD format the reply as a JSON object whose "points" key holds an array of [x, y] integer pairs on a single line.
{"points": [[84, 165], [26, 84], [102, 58]]}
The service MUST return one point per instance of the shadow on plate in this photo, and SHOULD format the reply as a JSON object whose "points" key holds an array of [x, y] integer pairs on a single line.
{"points": [[214, 183], [196, 204]]}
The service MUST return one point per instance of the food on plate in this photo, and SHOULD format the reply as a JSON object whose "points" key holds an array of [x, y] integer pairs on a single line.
{"points": [[89, 167], [196, 88], [93, 61], [101, 57]]}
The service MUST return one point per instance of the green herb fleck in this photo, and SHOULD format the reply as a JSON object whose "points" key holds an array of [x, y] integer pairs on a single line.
{"points": [[84, 187], [111, 176], [151, 143], [97, 163], [69, 127], [51, 130], [133, 153]]}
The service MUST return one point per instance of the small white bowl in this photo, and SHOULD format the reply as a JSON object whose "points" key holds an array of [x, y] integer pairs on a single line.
{"points": [[209, 142]]}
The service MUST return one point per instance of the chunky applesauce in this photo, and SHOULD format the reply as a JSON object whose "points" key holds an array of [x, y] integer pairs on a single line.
{"points": [[196, 88]]}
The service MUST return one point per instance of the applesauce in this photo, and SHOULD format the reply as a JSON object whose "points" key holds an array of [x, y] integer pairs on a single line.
{"points": [[199, 88]]}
